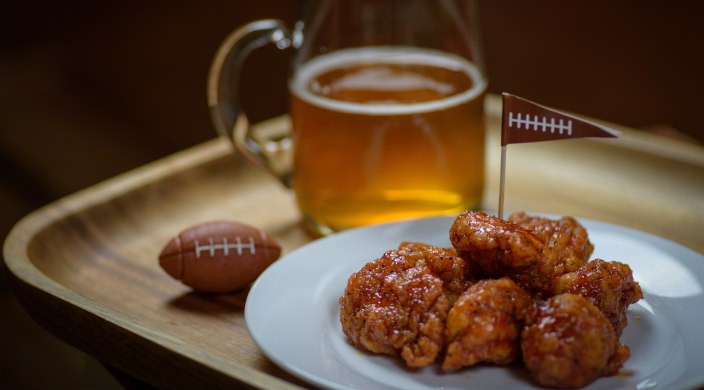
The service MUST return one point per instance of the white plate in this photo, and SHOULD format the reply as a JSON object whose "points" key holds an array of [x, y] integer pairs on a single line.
{"points": [[292, 313]]}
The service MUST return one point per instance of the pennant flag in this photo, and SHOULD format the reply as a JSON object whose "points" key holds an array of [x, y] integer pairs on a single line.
{"points": [[525, 121]]}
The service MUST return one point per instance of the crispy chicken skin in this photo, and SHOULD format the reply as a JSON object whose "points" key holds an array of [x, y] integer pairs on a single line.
{"points": [[398, 303], [531, 250], [485, 323], [565, 237], [607, 285], [568, 343], [503, 248], [457, 274]]}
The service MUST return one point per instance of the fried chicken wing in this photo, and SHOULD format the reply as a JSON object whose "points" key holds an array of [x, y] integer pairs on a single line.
{"points": [[397, 304], [608, 285], [568, 342], [456, 273], [485, 323], [531, 250], [503, 249], [565, 237]]}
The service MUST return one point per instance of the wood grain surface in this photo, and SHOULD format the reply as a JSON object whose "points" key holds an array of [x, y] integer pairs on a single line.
{"points": [[85, 267]]}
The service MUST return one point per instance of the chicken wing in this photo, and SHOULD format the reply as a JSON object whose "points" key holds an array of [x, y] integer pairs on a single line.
{"points": [[503, 249], [485, 323], [608, 285], [568, 342], [530, 250], [565, 237], [456, 273], [398, 303]]}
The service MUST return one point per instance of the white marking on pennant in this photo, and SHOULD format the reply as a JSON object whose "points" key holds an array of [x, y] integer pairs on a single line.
{"points": [[539, 124]]}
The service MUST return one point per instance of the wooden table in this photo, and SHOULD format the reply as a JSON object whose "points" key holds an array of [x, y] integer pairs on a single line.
{"points": [[85, 267]]}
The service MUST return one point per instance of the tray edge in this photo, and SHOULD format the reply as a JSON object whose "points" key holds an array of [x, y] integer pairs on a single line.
{"points": [[28, 282]]}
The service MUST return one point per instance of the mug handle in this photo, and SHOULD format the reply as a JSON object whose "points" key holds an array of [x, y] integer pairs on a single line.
{"points": [[269, 151]]}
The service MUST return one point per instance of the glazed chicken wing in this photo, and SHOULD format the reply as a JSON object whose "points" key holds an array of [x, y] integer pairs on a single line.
{"points": [[457, 274], [565, 237], [503, 249], [397, 304], [530, 250], [485, 323], [608, 285], [568, 342]]}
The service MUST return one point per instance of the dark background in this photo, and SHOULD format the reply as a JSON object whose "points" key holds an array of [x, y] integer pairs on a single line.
{"points": [[91, 89]]}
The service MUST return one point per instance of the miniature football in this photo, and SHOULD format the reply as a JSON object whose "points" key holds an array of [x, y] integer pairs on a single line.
{"points": [[219, 256]]}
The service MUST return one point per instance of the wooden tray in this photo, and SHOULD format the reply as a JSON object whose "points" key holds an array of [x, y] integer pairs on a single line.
{"points": [[86, 268], [92, 278]]}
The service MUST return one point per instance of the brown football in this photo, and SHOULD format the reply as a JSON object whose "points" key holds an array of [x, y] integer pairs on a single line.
{"points": [[218, 256]]}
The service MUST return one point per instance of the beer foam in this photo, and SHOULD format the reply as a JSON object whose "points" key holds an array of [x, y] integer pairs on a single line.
{"points": [[387, 55], [384, 79]]}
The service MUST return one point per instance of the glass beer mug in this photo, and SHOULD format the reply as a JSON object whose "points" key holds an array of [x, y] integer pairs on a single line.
{"points": [[386, 106]]}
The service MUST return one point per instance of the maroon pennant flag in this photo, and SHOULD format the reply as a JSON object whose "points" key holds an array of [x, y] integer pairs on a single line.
{"points": [[525, 121]]}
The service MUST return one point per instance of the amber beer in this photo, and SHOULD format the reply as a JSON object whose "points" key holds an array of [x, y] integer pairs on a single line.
{"points": [[383, 134]]}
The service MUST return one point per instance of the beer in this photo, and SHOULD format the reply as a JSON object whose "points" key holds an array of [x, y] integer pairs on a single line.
{"points": [[386, 133]]}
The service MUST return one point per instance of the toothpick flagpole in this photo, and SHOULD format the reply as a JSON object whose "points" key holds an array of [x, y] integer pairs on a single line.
{"points": [[502, 180]]}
